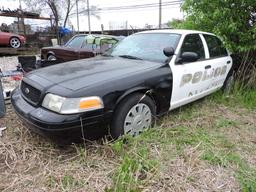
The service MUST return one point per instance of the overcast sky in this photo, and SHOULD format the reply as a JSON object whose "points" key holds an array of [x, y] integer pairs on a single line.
{"points": [[137, 18]]}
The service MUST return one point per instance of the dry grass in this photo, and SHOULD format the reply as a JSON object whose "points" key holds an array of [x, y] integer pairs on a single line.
{"points": [[31, 163], [175, 155]]}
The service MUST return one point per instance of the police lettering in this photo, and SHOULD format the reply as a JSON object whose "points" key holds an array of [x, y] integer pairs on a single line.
{"points": [[202, 75]]}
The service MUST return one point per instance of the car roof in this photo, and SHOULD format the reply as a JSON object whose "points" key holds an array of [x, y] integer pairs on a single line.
{"points": [[176, 31]]}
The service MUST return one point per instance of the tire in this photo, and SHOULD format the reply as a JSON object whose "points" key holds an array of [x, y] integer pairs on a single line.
{"points": [[15, 42], [137, 110], [228, 83], [51, 58]]}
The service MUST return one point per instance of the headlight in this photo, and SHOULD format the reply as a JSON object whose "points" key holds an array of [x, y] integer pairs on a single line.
{"points": [[71, 105]]}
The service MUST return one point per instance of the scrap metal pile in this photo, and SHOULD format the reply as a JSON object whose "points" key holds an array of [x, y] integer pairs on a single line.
{"points": [[18, 12], [10, 75]]}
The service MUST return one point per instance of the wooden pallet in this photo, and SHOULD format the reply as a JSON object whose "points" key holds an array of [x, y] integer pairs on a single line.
{"points": [[12, 51]]}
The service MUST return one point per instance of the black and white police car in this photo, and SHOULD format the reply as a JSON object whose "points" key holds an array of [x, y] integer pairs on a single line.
{"points": [[145, 75]]}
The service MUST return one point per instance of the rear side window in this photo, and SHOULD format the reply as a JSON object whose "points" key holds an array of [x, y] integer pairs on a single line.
{"points": [[76, 42], [193, 43], [215, 46]]}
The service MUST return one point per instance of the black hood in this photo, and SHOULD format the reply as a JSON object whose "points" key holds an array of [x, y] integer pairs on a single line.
{"points": [[87, 72]]}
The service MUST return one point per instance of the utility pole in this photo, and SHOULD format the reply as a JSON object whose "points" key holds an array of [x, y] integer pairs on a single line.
{"points": [[89, 19], [22, 19], [77, 16], [160, 14]]}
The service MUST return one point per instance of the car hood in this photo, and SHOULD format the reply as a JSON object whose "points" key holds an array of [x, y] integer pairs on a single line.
{"points": [[11, 34], [83, 73], [57, 47]]}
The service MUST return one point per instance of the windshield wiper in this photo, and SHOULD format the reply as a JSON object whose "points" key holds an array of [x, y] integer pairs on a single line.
{"points": [[130, 57]]}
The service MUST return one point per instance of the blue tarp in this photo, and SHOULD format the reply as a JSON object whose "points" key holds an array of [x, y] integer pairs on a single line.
{"points": [[64, 31]]}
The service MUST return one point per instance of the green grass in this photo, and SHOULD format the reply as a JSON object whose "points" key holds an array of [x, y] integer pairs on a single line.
{"points": [[238, 97], [136, 165], [137, 161]]}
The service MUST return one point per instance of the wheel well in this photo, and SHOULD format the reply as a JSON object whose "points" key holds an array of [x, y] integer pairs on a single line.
{"points": [[48, 54], [13, 37], [147, 92]]}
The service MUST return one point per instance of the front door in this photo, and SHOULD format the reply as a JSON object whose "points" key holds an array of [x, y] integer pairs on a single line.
{"points": [[190, 80]]}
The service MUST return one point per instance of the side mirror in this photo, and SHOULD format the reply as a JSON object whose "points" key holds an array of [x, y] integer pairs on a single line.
{"points": [[187, 57], [168, 51]]}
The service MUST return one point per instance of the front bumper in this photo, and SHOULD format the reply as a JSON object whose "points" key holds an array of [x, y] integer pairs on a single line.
{"points": [[58, 127]]}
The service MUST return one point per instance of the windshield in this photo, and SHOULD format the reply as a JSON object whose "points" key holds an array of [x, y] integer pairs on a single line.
{"points": [[145, 46]]}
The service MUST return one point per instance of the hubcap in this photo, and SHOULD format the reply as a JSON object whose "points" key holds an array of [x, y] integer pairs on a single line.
{"points": [[137, 119], [15, 43], [51, 58]]}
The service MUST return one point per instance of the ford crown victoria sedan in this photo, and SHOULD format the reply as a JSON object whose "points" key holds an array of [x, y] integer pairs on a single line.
{"points": [[143, 76]]}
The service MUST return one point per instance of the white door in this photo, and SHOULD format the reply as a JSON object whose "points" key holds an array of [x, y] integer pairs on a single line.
{"points": [[190, 79]]}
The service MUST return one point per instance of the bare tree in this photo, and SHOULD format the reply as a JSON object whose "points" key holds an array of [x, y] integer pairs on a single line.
{"points": [[69, 5], [60, 9]]}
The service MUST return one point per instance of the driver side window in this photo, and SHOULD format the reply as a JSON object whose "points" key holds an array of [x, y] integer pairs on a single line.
{"points": [[193, 43]]}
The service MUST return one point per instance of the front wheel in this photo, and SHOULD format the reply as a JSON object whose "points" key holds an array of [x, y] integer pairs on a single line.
{"points": [[15, 42], [135, 114]]}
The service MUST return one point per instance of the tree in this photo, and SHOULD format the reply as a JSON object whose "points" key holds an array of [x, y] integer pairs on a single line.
{"points": [[234, 21], [68, 7], [60, 9]]}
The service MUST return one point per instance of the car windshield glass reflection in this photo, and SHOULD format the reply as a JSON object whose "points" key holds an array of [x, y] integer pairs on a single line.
{"points": [[145, 46], [76, 42]]}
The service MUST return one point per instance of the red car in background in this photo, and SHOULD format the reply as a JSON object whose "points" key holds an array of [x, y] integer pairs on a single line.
{"points": [[12, 40]]}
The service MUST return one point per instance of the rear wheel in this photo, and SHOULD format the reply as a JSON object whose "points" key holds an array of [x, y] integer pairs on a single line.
{"points": [[135, 114], [228, 84], [51, 58], [15, 42]]}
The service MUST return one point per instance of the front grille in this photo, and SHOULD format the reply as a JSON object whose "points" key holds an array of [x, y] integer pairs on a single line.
{"points": [[30, 92]]}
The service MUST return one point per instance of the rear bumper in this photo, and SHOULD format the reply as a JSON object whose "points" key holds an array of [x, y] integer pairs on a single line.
{"points": [[61, 128]]}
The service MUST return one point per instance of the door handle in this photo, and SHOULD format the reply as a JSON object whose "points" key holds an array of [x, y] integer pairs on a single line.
{"points": [[208, 66], [228, 62]]}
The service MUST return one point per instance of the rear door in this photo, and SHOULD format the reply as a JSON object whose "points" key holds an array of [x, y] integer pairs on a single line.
{"points": [[219, 60], [88, 49], [73, 48], [189, 79]]}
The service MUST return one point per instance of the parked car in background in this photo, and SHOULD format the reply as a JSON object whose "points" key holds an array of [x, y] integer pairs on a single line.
{"points": [[121, 92], [12, 40], [79, 47]]}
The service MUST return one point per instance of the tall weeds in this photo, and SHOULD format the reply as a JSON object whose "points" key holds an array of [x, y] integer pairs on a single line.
{"points": [[245, 69]]}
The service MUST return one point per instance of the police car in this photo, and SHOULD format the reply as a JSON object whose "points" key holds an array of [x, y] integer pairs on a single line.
{"points": [[143, 76]]}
